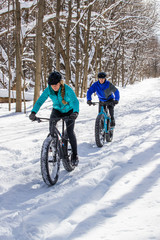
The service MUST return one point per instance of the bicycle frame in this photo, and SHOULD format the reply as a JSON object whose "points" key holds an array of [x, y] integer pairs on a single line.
{"points": [[61, 138], [40, 119], [106, 117], [60, 135]]}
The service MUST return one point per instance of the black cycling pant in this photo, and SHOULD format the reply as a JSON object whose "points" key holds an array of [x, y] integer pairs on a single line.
{"points": [[69, 127], [111, 111]]}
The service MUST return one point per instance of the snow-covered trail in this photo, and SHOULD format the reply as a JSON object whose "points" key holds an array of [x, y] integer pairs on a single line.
{"points": [[112, 195]]}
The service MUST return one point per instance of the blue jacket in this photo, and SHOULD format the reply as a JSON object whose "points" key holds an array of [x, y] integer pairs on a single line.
{"points": [[105, 91], [70, 98]]}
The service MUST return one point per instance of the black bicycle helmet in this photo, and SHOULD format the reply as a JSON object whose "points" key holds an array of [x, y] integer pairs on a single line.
{"points": [[54, 78], [101, 75]]}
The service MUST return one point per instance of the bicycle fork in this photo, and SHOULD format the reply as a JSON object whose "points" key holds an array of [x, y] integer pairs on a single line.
{"points": [[106, 125]]}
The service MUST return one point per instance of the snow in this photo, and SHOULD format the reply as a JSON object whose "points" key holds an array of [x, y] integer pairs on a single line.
{"points": [[112, 195]]}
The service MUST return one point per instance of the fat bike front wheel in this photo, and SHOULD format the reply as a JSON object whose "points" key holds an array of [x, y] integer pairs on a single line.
{"points": [[67, 153], [50, 161], [100, 131]]}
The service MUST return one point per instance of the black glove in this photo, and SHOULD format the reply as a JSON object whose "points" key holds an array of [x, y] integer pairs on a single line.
{"points": [[115, 102], [74, 115], [32, 116], [89, 102], [110, 103]]}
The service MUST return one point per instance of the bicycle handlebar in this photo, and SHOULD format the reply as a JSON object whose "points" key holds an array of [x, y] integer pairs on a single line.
{"points": [[94, 103], [103, 103], [41, 119]]}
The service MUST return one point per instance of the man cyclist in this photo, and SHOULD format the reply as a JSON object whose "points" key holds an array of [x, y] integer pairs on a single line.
{"points": [[106, 92]]}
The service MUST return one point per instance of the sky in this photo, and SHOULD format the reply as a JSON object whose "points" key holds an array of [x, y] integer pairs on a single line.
{"points": [[113, 194]]}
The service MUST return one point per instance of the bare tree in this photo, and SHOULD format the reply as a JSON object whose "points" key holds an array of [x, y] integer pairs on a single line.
{"points": [[81, 38], [86, 44], [18, 58], [57, 36], [77, 74], [67, 60], [9, 62], [39, 29]]}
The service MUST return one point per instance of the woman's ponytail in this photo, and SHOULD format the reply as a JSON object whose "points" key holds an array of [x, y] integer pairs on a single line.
{"points": [[63, 92]]}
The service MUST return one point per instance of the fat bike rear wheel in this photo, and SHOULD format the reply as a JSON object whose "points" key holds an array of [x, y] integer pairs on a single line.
{"points": [[50, 161], [67, 153], [100, 131]]}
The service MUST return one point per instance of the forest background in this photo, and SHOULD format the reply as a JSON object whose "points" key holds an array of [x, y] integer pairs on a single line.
{"points": [[79, 38]]}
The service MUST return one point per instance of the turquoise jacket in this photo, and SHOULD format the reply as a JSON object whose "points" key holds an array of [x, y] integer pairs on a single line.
{"points": [[70, 98]]}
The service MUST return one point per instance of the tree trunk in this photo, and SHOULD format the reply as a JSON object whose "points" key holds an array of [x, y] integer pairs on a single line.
{"points": [[96, 60], [45, 63], [114, 69], [24, 100], [57, 36], [39, 50], [24, 85], [123, 67], [77, 52], [67, 63], [9, 63], [86, 44], [18, 58], [100, 59]]}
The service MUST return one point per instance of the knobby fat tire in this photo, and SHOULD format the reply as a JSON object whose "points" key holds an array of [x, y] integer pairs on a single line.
{"points": [[47, 176], [99, 130], [66, 159]]}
